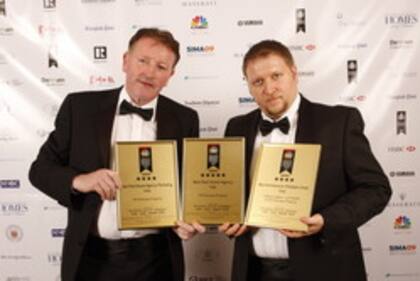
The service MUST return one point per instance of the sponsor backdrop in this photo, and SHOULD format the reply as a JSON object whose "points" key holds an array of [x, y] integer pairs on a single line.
{"points": [[358, 53]]}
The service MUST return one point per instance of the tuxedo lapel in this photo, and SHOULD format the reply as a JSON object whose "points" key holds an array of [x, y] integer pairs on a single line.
{"points": [[306, 126], [251, 134], [166, 122], [103, 122]]}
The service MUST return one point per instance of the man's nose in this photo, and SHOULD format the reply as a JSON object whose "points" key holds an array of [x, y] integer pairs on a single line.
{"points": [[149, 71], [269, 88]]}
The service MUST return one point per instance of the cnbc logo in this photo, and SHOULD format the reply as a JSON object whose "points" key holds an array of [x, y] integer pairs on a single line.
{"points": [[200, 50], [403, 249], [402, 222], [199, 22]]}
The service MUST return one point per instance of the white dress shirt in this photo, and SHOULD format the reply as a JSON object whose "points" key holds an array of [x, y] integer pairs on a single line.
{"points": [[129, 127], [269, 243]]}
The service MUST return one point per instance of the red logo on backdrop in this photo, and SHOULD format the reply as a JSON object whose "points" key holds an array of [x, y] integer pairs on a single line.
{"points": [[101, 80], [14, 233], [360, 98], [310, 47], [43, 29], [411, 148]]}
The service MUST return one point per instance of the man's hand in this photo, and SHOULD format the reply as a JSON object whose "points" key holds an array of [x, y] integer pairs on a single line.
{"points": [[105, 182], [233, 230], [315, 224], [187, 231]]}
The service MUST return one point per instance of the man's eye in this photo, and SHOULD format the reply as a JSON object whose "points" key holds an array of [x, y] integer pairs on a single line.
{"points": [[276, 76]]}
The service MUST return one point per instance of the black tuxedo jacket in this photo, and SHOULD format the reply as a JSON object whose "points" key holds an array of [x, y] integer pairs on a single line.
{"points": [[81, 143], [351, 188]]}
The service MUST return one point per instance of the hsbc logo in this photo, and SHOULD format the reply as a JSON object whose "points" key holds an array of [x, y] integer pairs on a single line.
{"points": [[307, 47], [411, 148], [408, 148], [356, 98], [310, 47]]}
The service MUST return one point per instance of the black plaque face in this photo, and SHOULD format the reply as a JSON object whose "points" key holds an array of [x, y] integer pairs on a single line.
{"points": [[352, 71], [300, 20], [401, 122]]}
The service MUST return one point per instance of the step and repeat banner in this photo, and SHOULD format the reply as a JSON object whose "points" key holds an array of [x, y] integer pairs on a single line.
{"points": [[359, 53]]}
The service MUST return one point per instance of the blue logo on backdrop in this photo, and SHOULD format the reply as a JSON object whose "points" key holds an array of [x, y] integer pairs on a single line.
{"points": [[9, 184], [58, 232]]}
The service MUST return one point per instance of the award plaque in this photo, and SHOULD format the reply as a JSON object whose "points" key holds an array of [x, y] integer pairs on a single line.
{"points": [[213, 180], [283, 185], [149, 194]]}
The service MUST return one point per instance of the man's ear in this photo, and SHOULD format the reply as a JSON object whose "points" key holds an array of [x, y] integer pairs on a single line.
{"points": [[124, 62], [294, 72]]}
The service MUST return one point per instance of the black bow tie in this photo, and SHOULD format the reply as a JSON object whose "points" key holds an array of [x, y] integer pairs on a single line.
{"points": [[128, 108], [266, 126]]}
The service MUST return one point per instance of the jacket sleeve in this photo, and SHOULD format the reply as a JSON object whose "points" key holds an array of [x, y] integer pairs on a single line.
{"points": [[50, 172], [368, 188], [195, 125]]}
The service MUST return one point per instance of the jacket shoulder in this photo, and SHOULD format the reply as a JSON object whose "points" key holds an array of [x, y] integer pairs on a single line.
{"points": [[239, 125], [93, 95], [243, 118], [329, 111]]}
